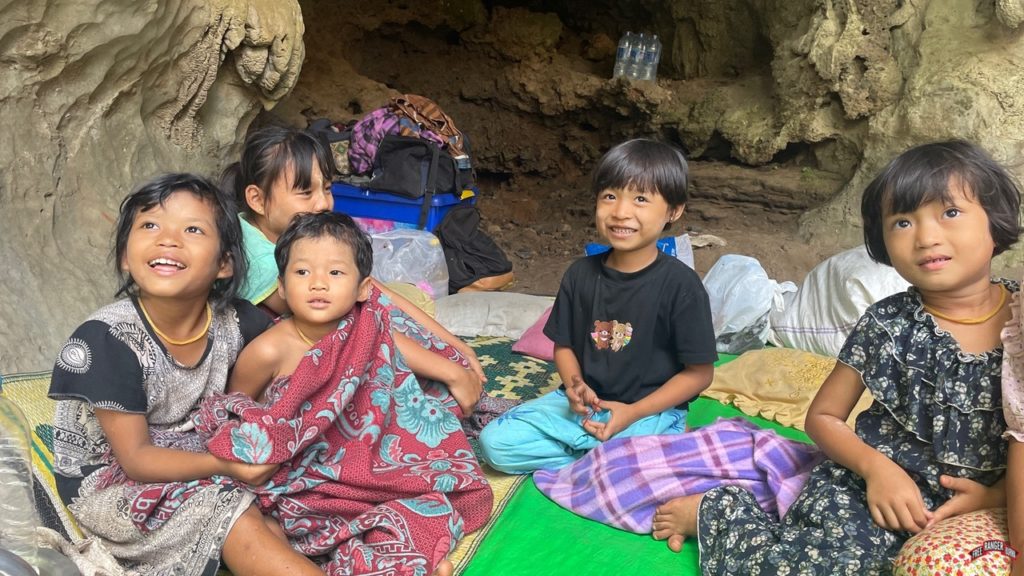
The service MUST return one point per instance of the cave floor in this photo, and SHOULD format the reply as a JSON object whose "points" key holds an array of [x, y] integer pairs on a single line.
{"points": [[542, 235]]}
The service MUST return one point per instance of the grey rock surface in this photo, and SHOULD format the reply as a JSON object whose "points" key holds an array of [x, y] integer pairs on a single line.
{"points": [[95, 97], [98, 95]]}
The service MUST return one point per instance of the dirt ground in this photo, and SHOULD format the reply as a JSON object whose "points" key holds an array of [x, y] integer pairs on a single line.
{"points": [[543, 234]]}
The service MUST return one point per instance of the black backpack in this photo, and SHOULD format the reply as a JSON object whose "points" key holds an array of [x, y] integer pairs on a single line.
{"points": [[471, 254]]}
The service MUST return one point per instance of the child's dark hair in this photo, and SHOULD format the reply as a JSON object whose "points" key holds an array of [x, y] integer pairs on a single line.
{"points": [[268, 152], [339, 226], [923, 174], [646, 165], [225, 216]]}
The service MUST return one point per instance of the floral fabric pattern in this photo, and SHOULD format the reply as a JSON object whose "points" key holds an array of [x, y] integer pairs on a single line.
{"points": [[968, 545], [936, 410], [376, 475]]}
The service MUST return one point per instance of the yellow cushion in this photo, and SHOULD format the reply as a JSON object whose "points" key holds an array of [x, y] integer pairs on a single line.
{"points": [[418, 297], [776, 383]]}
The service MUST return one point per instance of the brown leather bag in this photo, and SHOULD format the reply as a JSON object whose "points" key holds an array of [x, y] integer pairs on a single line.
{"points": [[422, 113]]}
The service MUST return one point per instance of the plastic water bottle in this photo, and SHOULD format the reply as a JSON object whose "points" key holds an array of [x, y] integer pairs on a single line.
{"points": [[622, 54], [12, 565], [636, 56], [18, 518], [651, 57]]}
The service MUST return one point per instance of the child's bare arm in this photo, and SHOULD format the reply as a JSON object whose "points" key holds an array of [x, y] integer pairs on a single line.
{"points": [[257, 365], [464, 384], [275, 302], [581, 396], [128, 435], [434, 326], [688, 383], [894, 499], [826, 418]]}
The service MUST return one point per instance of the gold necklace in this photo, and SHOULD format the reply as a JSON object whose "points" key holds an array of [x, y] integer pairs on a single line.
{"points": [[305, 338], [978, 320], [168, 339]]}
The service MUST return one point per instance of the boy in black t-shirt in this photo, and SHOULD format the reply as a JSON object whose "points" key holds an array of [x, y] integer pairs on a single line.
{"points": [[634, 342]]}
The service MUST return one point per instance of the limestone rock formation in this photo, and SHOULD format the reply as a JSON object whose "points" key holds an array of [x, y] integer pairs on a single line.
{"points": [[96, 96], [961, 68]]}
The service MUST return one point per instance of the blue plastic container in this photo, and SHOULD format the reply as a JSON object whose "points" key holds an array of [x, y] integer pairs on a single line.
{"points": [[365, 203], [666, 245]]}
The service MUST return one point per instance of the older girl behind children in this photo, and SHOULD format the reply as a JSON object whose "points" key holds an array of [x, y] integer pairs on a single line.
{"points": [[128, 465], [283, 172], [930, 445]]}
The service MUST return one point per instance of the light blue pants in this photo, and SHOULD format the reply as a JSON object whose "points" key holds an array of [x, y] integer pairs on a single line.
{"points": [[545, 433]]}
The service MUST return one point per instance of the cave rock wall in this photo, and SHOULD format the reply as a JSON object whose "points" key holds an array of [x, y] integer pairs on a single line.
{"points": [[839, 86], [95, 97]]}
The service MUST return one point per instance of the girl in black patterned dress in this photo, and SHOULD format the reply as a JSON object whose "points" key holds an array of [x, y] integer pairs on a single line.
{"points": [[930, 445]]}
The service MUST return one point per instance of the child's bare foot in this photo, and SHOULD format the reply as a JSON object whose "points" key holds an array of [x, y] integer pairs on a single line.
{"points": [[444, 568], [675, 520]]}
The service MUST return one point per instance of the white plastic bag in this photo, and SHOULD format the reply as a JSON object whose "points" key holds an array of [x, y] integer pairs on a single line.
{"points": [[742, 296], [413, 256], [684, 250], [831, 299]]}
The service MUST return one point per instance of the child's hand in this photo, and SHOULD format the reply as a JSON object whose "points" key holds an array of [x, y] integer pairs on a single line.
{"points": [[895, 500], [474, 364], [969, 496], [466, 387], [582, 399], [252, 474], [622, 417]]}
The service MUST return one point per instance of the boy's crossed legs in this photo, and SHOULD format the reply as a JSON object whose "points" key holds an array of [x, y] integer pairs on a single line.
{"points": [[545, 434]]}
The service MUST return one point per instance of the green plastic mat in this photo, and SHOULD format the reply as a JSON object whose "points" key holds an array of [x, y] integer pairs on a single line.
{"points": [[536, 536]]}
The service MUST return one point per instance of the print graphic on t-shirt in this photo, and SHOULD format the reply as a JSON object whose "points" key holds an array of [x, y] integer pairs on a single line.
{"points": [[611, 334]]}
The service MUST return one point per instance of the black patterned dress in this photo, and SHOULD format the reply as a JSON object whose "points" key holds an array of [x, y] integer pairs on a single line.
{"points": [[936, 410]]}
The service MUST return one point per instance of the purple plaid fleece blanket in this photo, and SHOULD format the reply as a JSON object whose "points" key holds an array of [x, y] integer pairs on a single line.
{"points": [[621, 482]]}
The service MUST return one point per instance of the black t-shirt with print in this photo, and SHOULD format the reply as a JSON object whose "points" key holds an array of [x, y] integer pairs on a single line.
{"points": [[631, 332]]}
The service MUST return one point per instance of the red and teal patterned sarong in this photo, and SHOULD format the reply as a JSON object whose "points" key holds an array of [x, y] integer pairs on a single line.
{"points": [[376, 473]]}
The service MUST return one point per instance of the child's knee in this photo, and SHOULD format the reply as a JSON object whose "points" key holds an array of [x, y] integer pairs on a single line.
{"points": [[275, 528], [499, 446], [243, 531], [491, 441]]}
